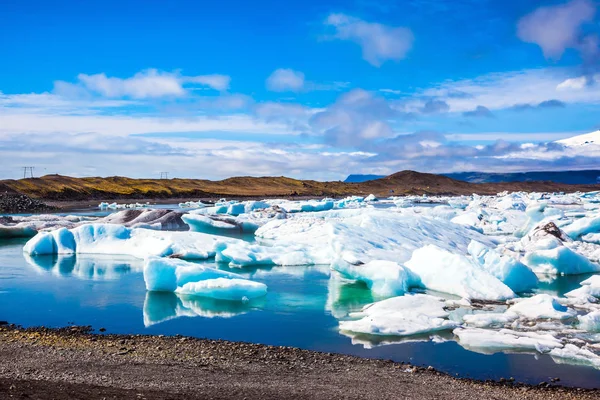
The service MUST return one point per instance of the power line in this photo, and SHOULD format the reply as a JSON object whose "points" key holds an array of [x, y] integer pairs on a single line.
{"points": [[25, 170], [164, 175]]}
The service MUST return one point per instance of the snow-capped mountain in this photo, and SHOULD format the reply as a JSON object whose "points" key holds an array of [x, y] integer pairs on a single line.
{"points": [[582, 140]]}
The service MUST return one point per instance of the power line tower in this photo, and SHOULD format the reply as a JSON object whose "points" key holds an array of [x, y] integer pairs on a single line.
{"points": [[28, 169], [164, 175]]}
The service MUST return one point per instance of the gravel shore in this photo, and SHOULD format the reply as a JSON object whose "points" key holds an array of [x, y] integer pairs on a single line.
{"points": [[71, 363]]}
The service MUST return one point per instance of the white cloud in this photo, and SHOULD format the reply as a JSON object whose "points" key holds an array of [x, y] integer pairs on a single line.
{"points": [[557, 28], [147, 84], [285, 79], [214, 81], [505, 90], [575, 83], [379, 42]]}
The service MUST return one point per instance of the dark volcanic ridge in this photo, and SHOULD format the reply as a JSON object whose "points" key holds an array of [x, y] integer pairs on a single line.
{"points": [[64, 188]]}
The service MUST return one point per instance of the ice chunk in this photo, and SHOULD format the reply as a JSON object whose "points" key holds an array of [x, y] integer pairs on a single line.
{"points": [[559, 260], [371, 197], [511, 272], [172, 275], [160, 219], [541, 306], [407, 315], [469, 218], [572, 354], [307, 206], [590, 322], [243, 254], [589, 287], [489, 320], [582, 227], [489, 342], [386, 278], [443, 271], [117, 239]]}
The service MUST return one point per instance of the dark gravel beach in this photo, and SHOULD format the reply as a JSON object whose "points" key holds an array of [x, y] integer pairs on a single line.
{"points": [[71, 363]]}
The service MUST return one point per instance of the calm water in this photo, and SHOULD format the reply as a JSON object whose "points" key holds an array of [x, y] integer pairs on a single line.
{"points": [[300, 310]]}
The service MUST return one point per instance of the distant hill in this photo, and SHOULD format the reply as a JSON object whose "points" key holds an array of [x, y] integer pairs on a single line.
{"points": [[587, 177], [64, 188], [357, 178]]}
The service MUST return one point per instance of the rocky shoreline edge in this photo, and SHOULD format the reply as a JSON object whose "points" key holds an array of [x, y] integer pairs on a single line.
{"points": [[15, 203], [74, 362]]}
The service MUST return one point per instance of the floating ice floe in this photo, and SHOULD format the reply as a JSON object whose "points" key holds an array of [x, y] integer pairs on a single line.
{"points": [[115, 206], [407, 315], [227, 224], [385, 278], [158, 219], [488, 341], [173, 275], [118, 239], [26, 227]]}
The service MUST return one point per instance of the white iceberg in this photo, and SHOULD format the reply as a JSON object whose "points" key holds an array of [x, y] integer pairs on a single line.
{"points": [[118, 239], [541, 306], [173, 275], [447, 272], [511, 272], [407, 315], [385, 278]]}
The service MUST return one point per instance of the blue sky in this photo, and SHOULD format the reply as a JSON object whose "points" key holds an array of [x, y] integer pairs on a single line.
{"points": [[310, 89]]}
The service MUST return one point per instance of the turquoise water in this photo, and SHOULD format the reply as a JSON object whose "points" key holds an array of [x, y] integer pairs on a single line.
{"points": [[301, 309]]}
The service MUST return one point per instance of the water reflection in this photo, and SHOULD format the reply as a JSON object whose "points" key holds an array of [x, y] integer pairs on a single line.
{"points": [[163, 306], [86, 266], [372, 341], [345, 297], [559, 285]]}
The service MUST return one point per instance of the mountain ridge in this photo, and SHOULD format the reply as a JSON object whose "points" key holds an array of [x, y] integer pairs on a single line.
{"points": [[64, 188]]}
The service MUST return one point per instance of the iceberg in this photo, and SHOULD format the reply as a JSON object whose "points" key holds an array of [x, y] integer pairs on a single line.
{"points": [[159, 219], [173, 275], [590, 322], [541, 306], [456, 274], [583, 226], [385, 278], [363, 235], [120, 240], [511, 272], [489, 342], [589, 288], [243, 254], [574, 355], [407, 315]]}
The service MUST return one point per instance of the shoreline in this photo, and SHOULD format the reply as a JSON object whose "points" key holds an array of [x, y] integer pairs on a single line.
{"points": [[73, 362]]}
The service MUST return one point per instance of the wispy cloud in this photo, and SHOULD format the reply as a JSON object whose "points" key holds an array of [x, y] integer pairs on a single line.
{"points": [[147, 84], [379, 43]]}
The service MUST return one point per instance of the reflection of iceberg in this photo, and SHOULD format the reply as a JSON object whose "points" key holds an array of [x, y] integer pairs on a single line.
{"points": [[163, 306], [86, 267], [371, 341]]}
